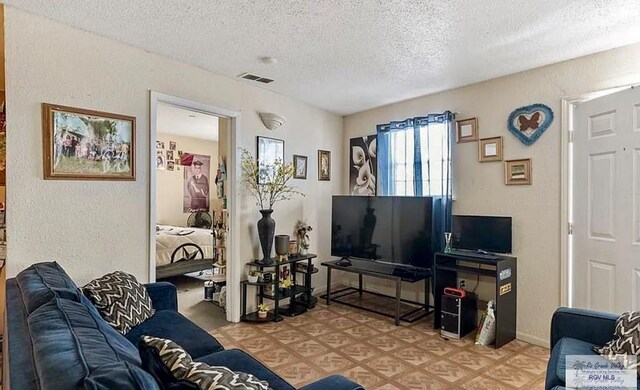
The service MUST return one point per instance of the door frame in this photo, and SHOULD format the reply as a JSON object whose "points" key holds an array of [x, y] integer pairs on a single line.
{"points": [[234, 269], [566, 188]]}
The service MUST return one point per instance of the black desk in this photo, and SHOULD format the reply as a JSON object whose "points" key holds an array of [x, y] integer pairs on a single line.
{"points": [[398, 274], [501, 268]]}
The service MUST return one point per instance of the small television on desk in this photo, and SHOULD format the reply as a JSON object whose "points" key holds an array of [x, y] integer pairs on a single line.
{"points": [[481, 233], [398, 230]]}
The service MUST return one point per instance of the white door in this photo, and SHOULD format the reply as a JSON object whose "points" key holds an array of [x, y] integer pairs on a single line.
{"points": [[606, 203]]}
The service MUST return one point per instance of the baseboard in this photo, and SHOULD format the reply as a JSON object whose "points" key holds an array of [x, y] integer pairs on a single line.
{"points": [[532, 339], [320, 290]]}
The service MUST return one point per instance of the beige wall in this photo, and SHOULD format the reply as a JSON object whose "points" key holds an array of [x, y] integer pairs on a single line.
{"points": [[479, 188], [170, 184], [94, 227]]}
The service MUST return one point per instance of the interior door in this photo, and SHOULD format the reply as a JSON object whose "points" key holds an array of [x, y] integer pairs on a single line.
{"points": [[606, 203]]}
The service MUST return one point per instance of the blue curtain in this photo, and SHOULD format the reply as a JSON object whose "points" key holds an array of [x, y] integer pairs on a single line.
{"points": [[427, 145]]}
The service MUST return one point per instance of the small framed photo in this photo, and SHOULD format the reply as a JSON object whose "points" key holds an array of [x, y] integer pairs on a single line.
{"points": [[159, 144], [172, 145], [80, 144], [300, 167], [169, 155], [170, 165], [159, 159], [324, 165], [467, 130], [490, 149], [517, 172]]}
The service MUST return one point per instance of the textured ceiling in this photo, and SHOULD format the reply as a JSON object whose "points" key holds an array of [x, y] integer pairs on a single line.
{"points": [[351, 55], [186, 123]]}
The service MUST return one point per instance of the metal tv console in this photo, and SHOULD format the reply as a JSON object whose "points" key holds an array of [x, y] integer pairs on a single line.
{"points": [[398, 274]]}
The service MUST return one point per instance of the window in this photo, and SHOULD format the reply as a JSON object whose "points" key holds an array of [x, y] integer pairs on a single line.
{"points": [[434, 162]]}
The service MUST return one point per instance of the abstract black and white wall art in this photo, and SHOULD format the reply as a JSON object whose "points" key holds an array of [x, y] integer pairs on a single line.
{"points": [[364, 166]]}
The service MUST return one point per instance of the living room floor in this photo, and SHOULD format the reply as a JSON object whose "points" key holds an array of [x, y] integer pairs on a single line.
{"points": [[371, 350]]}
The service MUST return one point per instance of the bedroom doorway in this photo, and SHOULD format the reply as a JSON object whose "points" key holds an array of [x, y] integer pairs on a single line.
{"points": [[192, 208]]}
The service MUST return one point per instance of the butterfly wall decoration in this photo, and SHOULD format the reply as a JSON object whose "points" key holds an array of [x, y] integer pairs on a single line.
{"points": [[528, 123]]}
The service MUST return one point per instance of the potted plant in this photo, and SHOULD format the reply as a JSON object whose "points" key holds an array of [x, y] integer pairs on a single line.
{"points": [[268, 186], [301, 231], [263, 310], [286, 283], [253, 276]]}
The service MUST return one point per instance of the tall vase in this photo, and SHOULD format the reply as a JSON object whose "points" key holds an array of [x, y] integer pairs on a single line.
{"points": [[266, 231]]}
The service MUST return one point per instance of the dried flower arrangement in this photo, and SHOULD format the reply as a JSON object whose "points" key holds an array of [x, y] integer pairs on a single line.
{"points": [[268, 189]]}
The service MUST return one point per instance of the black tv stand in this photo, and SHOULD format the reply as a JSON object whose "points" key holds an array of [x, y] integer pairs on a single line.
{"points": [[395, 273]]}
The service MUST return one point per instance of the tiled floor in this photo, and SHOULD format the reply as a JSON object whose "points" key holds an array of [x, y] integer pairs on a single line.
{"points": [[370, 350]]}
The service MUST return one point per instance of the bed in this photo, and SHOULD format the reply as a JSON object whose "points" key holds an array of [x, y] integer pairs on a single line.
{"points": [[180, 250]]}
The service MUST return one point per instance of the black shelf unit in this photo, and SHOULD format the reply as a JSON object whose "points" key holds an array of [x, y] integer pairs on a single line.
{"points": [[253, 317], [285, 293], [299, 295]]}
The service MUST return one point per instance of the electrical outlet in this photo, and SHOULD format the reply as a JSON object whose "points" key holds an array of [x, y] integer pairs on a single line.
{"points": [[463, 284]]}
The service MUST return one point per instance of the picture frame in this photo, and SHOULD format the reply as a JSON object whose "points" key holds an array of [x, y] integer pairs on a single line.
{"points": [[363, 165], [518, 172], [269, 150], [82, 144], [467, 130], [490, 149], [300, 167], [324, 165], [160, 160]]}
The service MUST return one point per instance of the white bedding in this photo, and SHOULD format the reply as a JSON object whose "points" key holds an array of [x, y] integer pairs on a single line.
{"points": [[168, 238]]}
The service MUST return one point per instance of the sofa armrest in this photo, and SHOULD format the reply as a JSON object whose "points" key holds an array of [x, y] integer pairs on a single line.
{"points": [[333, 382], [586, 325], [164, 295]]}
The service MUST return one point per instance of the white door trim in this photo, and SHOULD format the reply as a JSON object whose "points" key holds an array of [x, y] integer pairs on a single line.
{"points": [[234, 268], [566, 180]]}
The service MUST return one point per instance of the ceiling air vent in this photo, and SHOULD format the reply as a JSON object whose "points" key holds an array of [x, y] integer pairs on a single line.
{"points": [[253, 77]]}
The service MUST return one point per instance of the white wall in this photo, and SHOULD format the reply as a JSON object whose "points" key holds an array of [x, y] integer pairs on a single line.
{"points": [[170, 184], [96, 227], [480, 189]]}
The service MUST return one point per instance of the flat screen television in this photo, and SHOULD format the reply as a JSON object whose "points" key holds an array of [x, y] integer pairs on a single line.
{"points": [[388, 229], [491, 234]]}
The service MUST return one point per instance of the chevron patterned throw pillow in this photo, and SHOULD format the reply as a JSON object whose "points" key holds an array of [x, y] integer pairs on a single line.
{"points": [[217, 377], [201, 375], [626, 340], [120, 299], [172, 355]]}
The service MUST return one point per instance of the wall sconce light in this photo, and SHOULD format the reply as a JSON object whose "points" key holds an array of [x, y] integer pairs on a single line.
{"points": [[272, 121]]}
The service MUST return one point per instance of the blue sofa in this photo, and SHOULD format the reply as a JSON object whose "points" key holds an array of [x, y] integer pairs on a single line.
{"points": [[575, 332], [57, 339]]}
